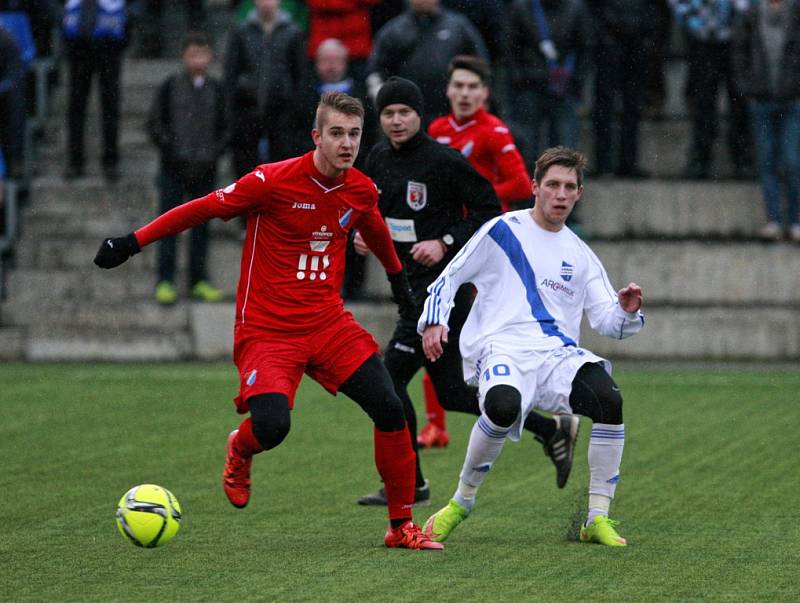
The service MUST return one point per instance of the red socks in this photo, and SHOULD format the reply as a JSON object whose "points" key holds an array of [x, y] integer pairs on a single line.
{"points": [[246, 443], [433, 410], [396, 462]]}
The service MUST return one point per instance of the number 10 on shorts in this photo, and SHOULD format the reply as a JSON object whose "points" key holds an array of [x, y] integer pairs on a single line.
{"points": [[498, 370]]}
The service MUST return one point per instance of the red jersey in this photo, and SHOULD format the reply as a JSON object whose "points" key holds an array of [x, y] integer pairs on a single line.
{"points": [[487, 144], [293, 257]]}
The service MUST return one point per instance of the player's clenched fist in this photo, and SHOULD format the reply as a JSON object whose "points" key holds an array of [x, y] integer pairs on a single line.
{"points": [[114, 252], [630, 297]]}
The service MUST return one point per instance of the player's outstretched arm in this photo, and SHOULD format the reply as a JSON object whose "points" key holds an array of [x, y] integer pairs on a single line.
{"points": [[115, 251], [630, 298]]}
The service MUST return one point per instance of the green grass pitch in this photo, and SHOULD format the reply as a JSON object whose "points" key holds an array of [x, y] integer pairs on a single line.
{"points": [[708, 497]]}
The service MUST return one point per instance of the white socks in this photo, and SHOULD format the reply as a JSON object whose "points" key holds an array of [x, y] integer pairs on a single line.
{"points": [[485, 445], [605, 455]]}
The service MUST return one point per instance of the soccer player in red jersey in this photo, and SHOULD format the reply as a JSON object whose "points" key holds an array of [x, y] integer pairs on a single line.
{"points": [[483, 139], [290, 318], [486, 142]]}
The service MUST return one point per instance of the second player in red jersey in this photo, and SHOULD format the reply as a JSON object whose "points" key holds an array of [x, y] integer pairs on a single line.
{"points": [[482, 138], [290, 318]]}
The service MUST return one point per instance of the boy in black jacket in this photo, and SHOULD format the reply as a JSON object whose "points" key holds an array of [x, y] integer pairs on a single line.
{"points": [[187, 123]]}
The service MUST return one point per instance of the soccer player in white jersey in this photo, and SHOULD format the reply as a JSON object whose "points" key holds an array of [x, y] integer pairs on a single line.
{"points": [[535, 279]]}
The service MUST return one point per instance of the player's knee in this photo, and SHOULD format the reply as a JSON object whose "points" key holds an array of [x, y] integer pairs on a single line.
{"points": [[271, 419], [389, 415], [502, 405], [611, 405]]}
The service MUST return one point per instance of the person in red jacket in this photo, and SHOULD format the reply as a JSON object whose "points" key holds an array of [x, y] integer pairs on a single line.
{"points": [[290, 318], [488, 145], [346, 20]]}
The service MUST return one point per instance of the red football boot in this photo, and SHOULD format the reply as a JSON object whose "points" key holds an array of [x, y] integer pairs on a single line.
{"points": [[409, 536], [432, 436], [236, 475]]}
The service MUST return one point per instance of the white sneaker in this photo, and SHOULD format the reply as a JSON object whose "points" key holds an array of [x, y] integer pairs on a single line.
{"points": [[794, 233], [771, 231]]}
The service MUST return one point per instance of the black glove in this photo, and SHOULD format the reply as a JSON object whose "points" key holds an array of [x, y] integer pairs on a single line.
{"points": [[403, 295], [114, 252]]}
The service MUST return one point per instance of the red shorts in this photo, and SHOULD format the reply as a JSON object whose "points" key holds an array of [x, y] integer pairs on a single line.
{"points": [[274, 361]]}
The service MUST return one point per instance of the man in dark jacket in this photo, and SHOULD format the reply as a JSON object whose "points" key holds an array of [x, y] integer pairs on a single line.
{"points": [[433, 201], [547, 72], [766, 44], [187, 124], [263, 68], [418, 44]]}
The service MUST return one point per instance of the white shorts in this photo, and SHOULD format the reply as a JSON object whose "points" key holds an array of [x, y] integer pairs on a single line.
{"points": [[543, 378]]}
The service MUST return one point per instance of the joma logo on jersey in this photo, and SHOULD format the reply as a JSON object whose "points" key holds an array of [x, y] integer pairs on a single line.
{"points": [[299, 205], [549, 283]]}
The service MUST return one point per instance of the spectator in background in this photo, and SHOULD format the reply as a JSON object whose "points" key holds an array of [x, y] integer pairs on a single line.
{"points": [[264, 66], [12, 105], [623, 29], [152, 31], [551, 40], [187, 124], [44, 16], [708, 27], [331, 74], [490, 18], [418, 44], [767, 65], [345, 20], [95, 34]]}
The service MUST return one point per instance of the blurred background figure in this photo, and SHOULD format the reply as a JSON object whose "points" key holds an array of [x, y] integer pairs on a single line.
{"points": [[12, 105], [95, 34], [346, 20], [623, 32], [152, 31], [707, 26], [550, 41], [418, 44], [767, 66], [187, 124], [264, 65]]}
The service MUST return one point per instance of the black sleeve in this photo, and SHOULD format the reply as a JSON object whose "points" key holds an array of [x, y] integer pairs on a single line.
{"points": [[476, 195], [158, 118]]}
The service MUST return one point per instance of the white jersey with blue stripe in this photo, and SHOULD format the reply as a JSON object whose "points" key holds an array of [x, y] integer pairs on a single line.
{"points": [[533, 288]]}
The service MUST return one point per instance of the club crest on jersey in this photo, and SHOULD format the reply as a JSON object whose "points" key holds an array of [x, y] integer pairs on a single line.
{"points": [[567, 270], [344, 218], [466, 150], [416, 195]]}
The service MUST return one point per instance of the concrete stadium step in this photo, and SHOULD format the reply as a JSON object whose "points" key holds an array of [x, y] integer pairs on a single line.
{"points": [[748, 333], [129, 344], [685, 273]]}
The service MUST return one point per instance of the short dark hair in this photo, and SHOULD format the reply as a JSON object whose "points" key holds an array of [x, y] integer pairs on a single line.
{"points": [[339, 102], [470, 63], [195, 38], [563, 156]]}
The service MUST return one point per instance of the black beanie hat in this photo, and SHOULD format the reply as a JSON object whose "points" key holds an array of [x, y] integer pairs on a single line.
{"points": [[398, 90]]}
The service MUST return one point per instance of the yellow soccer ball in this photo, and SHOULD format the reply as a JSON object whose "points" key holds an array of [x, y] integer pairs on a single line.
{"points": [[148, 516]]}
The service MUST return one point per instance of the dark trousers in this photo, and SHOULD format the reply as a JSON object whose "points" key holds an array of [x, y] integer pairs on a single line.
{"points": [[254, 144], [176, 189], [710, 67], [621, 72], [12, 129], [404, 357], [86, 60]]}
